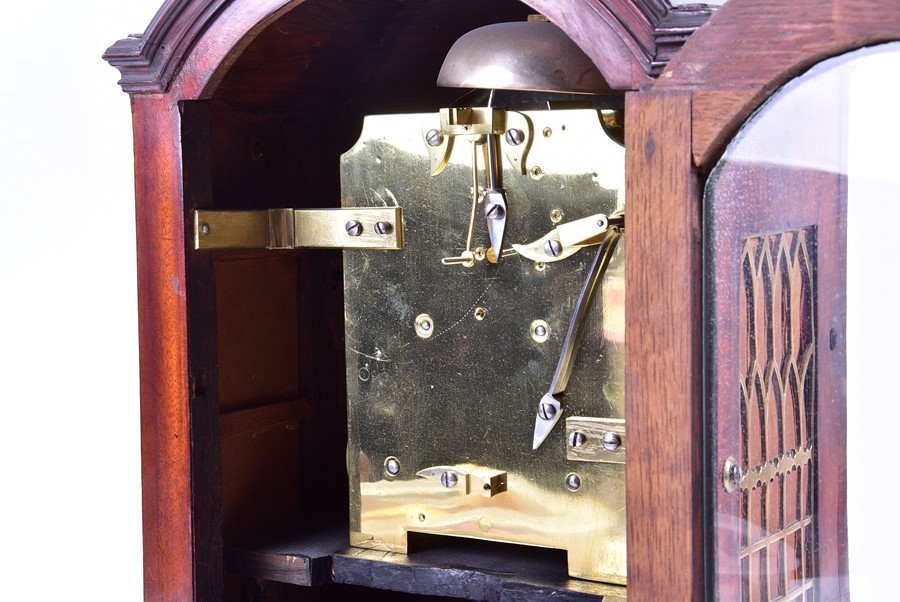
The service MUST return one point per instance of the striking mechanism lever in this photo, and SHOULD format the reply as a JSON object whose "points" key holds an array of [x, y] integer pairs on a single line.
{"points": [[495, 208], [564, 240], [550, 406]]}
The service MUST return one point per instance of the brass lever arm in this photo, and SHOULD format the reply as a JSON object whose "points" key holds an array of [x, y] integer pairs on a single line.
{"points": [[550, 407]]}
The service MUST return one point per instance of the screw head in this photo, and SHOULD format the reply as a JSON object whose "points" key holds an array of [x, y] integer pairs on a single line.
{"points": [[552, 248], [573, 481], [515, 137], [204, 229], [392, 466], [576, 439], [424, 325], [353, 227], [611, 441], [449, 479], [546, 411], [732, 475], [539, 331], [383, 228], [494, 211], [434, 138]]}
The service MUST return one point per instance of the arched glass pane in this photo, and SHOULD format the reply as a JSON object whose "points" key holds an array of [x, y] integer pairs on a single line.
{"points": [[811, 161]]}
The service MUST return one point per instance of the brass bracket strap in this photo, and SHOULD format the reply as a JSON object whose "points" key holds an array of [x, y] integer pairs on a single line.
{"points": [[595, 439], [353, 228]]}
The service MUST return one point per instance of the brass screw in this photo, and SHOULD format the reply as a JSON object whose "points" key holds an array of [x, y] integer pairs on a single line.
{"points": [[552, 248], [448, 479], [424, 325], [539, 331], [611, 441], [576, 439], [732, 475], [353, 227], [547, 411], [434, 138], [392, 466], [494, 211], [515, 137]]}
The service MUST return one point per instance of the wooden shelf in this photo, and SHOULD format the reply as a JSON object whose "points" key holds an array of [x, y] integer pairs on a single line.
{"points": [[448, 567], [287, 557]]}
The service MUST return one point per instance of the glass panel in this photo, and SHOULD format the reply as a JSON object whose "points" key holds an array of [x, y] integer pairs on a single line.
{"points": [[776, 214], [694, 2]]}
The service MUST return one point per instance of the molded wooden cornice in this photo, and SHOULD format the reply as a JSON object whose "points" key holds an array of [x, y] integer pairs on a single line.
{"points": [[651, 31], [754, 46], [631, 41], [148, 62]]}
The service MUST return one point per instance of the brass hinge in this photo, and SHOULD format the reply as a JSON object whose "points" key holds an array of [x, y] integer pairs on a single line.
{"points": [[354, 228]]}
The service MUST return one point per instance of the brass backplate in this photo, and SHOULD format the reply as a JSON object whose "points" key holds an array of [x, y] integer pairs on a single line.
{"points": [[463, 398]]}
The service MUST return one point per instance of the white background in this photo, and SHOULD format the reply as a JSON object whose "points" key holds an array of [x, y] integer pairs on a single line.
{"points": [[69, 432]]}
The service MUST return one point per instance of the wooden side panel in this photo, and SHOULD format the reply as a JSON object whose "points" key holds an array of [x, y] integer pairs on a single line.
{"points": [[257, 331], [203, 358], [165, 420], [663, 378]]}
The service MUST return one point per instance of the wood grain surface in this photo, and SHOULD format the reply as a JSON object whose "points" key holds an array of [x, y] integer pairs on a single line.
{"points": [[663, 407], [162, 309]]}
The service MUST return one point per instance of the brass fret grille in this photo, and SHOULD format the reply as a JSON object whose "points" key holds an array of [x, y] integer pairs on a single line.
{"points": [[778, 405]]}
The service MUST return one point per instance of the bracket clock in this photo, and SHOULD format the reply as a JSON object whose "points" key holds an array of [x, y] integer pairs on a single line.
{"points": [[496, 301]]}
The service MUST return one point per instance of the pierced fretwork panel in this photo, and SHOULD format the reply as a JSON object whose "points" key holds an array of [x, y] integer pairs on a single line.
{"points": [[778, 406]]}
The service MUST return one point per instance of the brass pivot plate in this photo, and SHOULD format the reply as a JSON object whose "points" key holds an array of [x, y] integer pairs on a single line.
{"points": [[446, 362]]}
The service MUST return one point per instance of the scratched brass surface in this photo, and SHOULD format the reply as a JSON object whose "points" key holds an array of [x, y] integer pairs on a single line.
{"points": [[466, 396], [297, 228]]}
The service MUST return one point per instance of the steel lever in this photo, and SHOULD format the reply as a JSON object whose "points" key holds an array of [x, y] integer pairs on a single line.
{"points": [[566, 239], [550, 407], [495, 208]]}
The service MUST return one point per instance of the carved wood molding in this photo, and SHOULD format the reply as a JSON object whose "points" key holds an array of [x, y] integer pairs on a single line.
{"points": [[754, 46], [148, 62], [631, 41]]}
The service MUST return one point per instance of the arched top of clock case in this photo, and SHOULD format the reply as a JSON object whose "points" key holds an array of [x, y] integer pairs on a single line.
{"points": [[752, 47], [190, 44]]}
